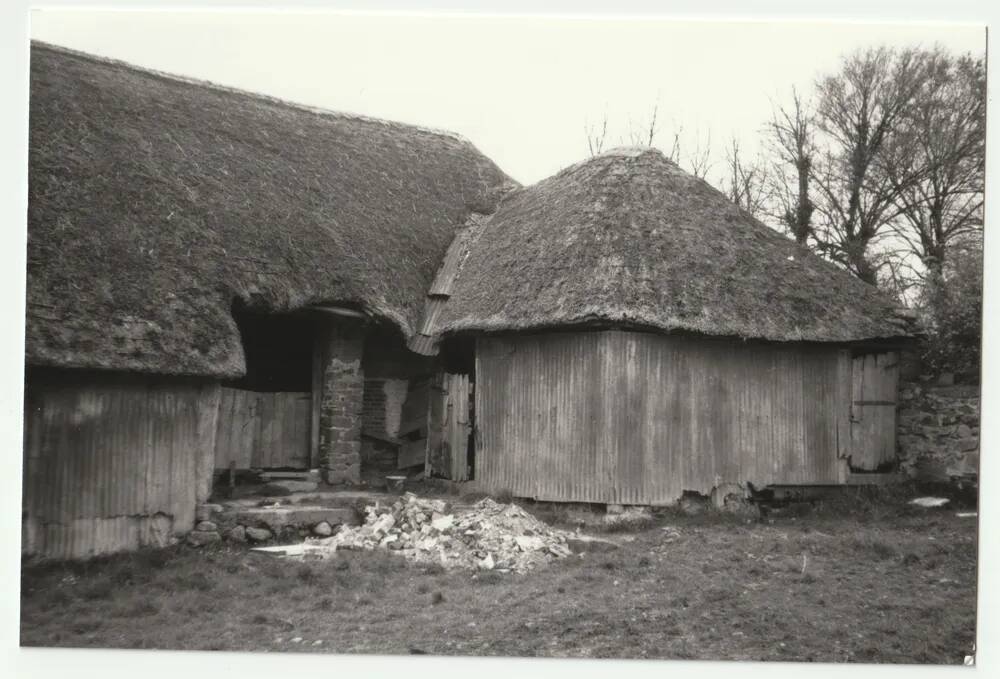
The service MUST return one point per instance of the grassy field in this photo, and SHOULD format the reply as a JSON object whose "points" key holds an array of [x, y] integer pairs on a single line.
{"points": [[859, 582]]}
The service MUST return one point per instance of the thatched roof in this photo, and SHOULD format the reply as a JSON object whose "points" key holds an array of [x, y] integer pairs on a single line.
{"points": [[629, 238], [157, 201]]}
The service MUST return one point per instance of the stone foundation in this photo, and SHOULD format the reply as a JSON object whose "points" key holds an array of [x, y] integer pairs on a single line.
{"points": [[242, 522]]}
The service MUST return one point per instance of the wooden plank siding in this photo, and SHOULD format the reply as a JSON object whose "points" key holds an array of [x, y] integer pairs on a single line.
{"points": [[638, 418], [262, 430], [112, 464], [458, 426], [450, 427], [318, 361], [873, 410], [435, 415]]}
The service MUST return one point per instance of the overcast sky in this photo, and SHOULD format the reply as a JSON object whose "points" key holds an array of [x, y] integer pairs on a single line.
{"points": [[522, 89]]}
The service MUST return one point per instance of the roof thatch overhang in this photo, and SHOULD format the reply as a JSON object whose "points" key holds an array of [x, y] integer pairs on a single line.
{"points": [[157, 202], [628, 239]]}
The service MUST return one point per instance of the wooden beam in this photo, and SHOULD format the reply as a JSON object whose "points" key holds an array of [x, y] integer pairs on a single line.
{"points": [[873, 478], [339, 311], [317, 397]]}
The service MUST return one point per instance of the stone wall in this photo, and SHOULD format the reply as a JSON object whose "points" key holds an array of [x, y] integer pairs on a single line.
{"points": [[341, 404], [938, 430]]}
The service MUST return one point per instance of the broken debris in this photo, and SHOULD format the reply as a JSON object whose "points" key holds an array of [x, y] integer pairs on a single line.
{"points": [[488, 536]]}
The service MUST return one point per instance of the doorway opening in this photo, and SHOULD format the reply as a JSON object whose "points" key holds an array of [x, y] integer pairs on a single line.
{"points": [[266, 417], [278, 349]]}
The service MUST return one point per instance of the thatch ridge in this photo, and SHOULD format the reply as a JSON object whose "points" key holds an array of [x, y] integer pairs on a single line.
{"points": [[156, 201], [229, 89], [628, 238]]}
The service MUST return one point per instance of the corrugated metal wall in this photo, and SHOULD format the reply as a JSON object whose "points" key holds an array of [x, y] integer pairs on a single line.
{"points": [[114, 463], [638, 418]]}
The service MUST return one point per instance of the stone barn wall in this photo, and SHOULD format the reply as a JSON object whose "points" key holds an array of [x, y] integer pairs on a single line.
{"points": [[938, 430]]}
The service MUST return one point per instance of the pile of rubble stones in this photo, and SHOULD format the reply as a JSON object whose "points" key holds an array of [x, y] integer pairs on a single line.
{"points": [[490, 535]]}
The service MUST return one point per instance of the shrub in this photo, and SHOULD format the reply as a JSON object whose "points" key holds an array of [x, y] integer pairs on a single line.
{"points": [[952, 310]]}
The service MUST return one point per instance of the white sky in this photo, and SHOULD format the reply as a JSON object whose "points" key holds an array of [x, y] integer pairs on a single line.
{"points": [[522, 89]]}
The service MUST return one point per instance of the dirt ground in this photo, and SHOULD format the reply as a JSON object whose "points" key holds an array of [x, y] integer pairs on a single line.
{"points": [[851, 581]]}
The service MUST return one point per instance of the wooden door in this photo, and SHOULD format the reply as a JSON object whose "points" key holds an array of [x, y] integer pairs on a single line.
{"points": [[263, 430], [413, 422], [449, 427], [874, 379]]}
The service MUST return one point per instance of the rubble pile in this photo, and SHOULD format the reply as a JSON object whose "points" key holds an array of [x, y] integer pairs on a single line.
{"points": [[490, 535]]}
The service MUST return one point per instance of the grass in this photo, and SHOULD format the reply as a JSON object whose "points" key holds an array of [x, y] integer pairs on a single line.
{"points": [[884, 585]]}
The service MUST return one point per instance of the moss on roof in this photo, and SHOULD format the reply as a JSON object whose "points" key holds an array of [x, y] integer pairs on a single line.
{"points": [[155, 202], [629, 238]]}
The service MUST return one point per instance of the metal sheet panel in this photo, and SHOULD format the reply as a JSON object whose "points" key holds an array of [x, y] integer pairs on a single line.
{"points": [[113, 464], [425, 345], [455, 256], [638, 418]]}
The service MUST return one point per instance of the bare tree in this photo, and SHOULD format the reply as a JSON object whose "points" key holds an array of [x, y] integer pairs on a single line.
{"points": [[596, 137], [936, 162], [859, 109], [746, 183], [643, 134], [900, 274], [700, 159], [790, 139], [674, 153]]}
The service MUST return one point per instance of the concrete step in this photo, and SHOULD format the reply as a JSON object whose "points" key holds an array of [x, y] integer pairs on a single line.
{"points": [[323, 498], [309, 475], [345, 498], [288, 486], [305, 516]]}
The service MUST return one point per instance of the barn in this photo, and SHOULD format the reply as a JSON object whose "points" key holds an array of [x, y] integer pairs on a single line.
{"points": [[217, 279], [636, 336]]}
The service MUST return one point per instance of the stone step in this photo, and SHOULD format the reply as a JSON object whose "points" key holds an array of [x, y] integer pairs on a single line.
{"points": [[288, 486], [276, 518], [311, 475], [324, 498], [345, 498]]}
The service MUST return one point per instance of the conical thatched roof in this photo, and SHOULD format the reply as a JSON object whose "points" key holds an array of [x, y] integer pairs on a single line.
{"points": [[155, 202], [629, 238]]}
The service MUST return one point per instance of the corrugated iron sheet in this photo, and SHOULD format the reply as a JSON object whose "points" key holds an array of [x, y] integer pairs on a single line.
{"points": [[114, 464], [425, 340], [638, 418], [455, 256], [425, 345]]}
